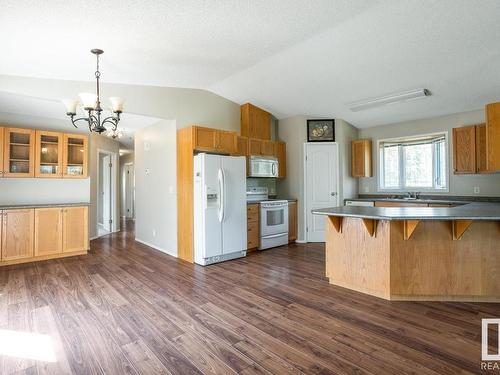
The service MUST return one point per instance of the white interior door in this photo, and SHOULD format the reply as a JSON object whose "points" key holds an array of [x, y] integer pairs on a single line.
{"points": [[322, 175], [129, 191], [106, 192]]}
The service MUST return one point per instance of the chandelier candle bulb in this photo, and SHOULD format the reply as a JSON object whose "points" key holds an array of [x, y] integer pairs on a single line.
{"points": [[116, 104], [89, 100], [70, 105]]}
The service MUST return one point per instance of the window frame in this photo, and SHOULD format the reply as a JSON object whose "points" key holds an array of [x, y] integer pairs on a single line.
{"points": [[402, 188]]}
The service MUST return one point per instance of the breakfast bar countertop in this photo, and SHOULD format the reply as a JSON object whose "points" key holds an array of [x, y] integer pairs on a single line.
{"points": [[470, 211], [41, 205]]}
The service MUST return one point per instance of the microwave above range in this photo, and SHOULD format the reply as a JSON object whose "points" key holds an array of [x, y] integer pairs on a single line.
{"points": [[263, 166]]}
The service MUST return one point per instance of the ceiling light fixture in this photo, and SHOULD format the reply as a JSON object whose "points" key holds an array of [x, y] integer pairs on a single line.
{"points": [[92, 105], [389, 99]]}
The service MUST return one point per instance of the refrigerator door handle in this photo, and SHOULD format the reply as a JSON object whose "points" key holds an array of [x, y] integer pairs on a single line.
{"points": [[220, 212], [223, 198]]}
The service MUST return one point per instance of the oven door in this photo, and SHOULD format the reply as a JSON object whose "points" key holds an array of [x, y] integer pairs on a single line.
{"points": [[274, 220]]}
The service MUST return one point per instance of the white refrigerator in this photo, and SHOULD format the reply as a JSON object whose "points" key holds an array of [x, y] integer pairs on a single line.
{"points": [[220, 212]]}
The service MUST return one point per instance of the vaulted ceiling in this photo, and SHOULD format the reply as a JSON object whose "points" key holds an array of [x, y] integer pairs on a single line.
{"points": [[290, 57]]}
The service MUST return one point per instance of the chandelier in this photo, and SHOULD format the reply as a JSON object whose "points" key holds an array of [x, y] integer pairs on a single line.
{"points": [[91, 104]]}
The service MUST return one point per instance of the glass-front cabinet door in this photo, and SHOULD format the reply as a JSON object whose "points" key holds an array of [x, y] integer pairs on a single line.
{"points": [[75, 159], [19, 151], [49, 154]]}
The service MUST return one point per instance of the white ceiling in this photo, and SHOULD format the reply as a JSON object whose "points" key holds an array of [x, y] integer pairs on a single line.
{"points": [[294, 57]]}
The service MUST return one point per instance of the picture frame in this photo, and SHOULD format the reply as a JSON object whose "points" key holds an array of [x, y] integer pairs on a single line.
{"points": [[321, 130]]}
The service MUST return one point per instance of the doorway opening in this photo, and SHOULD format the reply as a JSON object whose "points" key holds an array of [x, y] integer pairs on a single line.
{"points": [[106, 188], [128, 192], [321, 185]]}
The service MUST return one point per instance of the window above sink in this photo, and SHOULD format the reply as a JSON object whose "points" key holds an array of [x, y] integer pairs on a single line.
{"points": [[418, 163]]}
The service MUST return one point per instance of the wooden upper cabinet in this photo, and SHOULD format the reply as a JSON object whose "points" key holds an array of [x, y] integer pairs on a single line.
{"points": [[481, 155], [241, 146], [75, 156], [213, 140], [267, 148], [254, 146], [255, 122], [493, 137], [49, 148], [464, 150], [75, 229], [280, 153], [19, 152], [204, 138], [48, 231], [361, 158], [17, 234], [1, 152], [225, 141]]}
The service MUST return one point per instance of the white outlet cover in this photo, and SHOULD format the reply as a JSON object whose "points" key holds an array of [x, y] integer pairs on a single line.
{"points": [[477, 190]]}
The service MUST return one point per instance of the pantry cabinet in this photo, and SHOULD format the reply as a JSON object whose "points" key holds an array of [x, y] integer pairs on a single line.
{"points": [[19, 152]]}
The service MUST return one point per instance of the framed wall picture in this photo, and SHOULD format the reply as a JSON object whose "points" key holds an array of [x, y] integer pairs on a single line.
{"points": [[320, 130]]}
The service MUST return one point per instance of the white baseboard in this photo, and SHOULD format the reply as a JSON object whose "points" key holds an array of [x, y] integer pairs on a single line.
{"points": [[93, 238], [300, 241], [157, 247]]}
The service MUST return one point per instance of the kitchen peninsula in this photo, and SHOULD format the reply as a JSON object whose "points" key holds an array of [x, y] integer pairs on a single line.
{"points": [[415, 253]]}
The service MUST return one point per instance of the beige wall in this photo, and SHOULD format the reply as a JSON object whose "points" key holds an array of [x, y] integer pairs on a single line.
{"points": [[186, 106], [293, 131], [459, 184], [100, 142], [155, 186]]}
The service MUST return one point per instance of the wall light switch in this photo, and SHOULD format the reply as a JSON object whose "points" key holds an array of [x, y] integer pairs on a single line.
{"points": [[147, 171], [147, 146], [154, 232], [477, 190], [171, 190]]}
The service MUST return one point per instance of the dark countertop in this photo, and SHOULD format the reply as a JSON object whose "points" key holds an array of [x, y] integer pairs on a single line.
{"points": [[45, 205], [419, 200], [426, 198], [471, 211]]}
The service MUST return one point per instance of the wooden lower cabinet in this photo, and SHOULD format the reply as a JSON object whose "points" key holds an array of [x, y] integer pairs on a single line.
{"points": [[33, 234], [292, 221], [48, 231], [75, 229], [253, 231], [17, 234]]}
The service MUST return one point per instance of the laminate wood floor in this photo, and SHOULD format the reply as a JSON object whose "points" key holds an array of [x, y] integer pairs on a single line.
{"points": [[126, 308]]}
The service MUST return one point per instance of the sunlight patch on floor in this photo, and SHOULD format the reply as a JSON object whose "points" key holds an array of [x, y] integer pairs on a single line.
{"points": [[27, 345]]}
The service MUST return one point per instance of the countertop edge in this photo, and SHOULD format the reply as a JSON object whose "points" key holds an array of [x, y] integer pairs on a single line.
{"points": [[42, 205]]}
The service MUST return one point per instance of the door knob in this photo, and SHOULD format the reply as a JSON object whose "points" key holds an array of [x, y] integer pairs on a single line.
{"points": [[333, 193]]}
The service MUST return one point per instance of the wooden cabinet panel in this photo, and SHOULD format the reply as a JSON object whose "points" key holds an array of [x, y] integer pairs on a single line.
{"points": [[225, 141], [268, 148], [255, 122], [253, 236], [241, 146], [49, 148], [292, 221], [254, 146], [361, 158], [17, 234], [493, 137], [204, 138], [280, 153], [1, 151], [481, 156], [464, 150], [75, 156], [19, 152], [253, 212], [48, 231], [75, 229]]}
